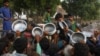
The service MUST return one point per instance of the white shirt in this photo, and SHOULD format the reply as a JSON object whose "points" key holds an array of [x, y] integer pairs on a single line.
{"points": [[67, 50], [18, 54], [7, 54]]}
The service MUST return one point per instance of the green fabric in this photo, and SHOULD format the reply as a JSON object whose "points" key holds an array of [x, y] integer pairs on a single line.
{"points": [[38, 49], [47, 18], [73, 26]]}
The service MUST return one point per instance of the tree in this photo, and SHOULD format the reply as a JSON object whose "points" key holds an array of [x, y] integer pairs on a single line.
{"points": [[1, 3], [86, 9], [34, 5]]}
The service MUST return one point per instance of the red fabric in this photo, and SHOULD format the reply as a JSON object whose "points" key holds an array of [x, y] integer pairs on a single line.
{"points": [[27, 35]]}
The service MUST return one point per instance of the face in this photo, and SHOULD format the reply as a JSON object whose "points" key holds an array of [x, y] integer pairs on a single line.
{"points": [[18, 33], [71, 18], [6, 4], [93, 39], [96, 33], [6, 49], [29, 27], [49, 10], [60, 19]]}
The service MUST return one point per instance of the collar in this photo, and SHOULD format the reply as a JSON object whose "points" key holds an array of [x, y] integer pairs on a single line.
{"points": [[19, 54]]}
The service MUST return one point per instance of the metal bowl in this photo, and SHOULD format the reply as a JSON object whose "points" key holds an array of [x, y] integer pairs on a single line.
{"points": [[37, 31], [50, 28], [77, 37], [19, 25]]}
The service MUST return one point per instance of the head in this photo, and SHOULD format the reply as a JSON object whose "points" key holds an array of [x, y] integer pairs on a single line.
{"points": [[30, 26], [3, 48], [6, 3], [93, 39], [53, 50], [67, 50], [10, 36], [96, 33], [59, 17], [4, 44], [81, 49], [20, 45], [18, 33], [70, 17], [44, 43], [48, 9]]}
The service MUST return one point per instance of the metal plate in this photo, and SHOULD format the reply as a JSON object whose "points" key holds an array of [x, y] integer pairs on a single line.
{"points": [[19, 25], [50, 28], [37, 31]]}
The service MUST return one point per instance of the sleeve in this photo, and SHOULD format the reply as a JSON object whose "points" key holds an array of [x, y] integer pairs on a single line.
{"points": [[68, 23], [45, 17], [1, 14], [78, 26], [38, 49]]}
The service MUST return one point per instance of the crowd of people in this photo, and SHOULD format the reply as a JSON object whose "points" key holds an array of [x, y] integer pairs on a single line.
{"points": [[25, 44]]}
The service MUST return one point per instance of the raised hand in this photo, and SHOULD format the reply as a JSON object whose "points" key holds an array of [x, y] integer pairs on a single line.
{"points": [[37, 37]]}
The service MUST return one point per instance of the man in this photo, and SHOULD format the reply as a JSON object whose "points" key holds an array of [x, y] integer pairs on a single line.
{"points": [[62, 27], [20, 46], [5, 14], [72, 23], [80, 50], [94, 43], [4, 47]]}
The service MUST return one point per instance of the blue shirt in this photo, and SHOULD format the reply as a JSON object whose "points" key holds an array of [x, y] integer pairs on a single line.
{"points": [[5, 14]]}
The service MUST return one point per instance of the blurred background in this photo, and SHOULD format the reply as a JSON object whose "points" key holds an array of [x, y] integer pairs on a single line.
{"points": [[84, 11]]}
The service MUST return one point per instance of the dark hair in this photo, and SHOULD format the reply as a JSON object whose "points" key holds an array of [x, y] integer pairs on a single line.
{"points": [[4, 1], [59, 15], [20, 44], [81, 49], [10, 36], [5, 40], [44, 43], [69, 15], [53, 50], [2, 47], [32, 24], [48, 7]]}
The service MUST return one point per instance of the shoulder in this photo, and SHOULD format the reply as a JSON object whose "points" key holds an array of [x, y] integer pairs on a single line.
{"points": [[2, 8]]}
